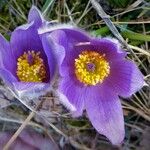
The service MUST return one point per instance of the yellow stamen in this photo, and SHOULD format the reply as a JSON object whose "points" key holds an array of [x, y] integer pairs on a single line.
{"points": [[91, 67], [30, 67]]}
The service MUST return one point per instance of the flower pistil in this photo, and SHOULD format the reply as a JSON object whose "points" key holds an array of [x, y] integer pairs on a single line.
{"points": [[30, 67], [91, 67]]}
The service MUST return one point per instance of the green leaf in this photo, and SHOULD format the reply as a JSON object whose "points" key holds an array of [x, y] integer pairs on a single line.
{"points": [[132, 36], [136, 43], [102, 31], [77, 123], [135, 36]]}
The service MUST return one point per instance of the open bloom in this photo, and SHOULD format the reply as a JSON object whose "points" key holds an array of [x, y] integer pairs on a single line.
{"points": [[94, 73], [28, 62]]}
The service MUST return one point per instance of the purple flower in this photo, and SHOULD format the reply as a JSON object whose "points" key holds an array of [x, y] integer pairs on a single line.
{"points": [[94, 73], [28, 62], [28, 140]]}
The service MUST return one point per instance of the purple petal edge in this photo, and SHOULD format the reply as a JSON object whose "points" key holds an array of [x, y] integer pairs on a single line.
{"points": [[31, 90], [125, 78], [105, 113], [36, 16], [74, 94]]}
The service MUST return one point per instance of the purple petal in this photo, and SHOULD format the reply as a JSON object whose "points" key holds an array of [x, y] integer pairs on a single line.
{"points": [[6, 56], [36, 16], [19, 144], [106, 46], [125, 78], [67, 39], [60, 38], [74, 93], [109, 47], [74, 34], [7, 77], [67, 84], [28, 140], [37, 141], [54, 52], [25, 38], [105, 113], [4, 137], [64, 101], [30, 89]]}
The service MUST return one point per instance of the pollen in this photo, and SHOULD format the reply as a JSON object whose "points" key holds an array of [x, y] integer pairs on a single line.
{"points": [[30, 67], [91, 67]]}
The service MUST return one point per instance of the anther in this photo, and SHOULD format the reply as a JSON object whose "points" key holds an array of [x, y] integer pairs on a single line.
{"points": [[91, 67], [31, 67]]}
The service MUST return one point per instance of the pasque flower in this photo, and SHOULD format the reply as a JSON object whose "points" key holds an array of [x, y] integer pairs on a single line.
{"points": [[28, 62], [94, 73]]}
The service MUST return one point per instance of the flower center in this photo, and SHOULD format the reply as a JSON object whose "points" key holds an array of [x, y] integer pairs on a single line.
{"points": [[30, 67], [91, 67]]}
